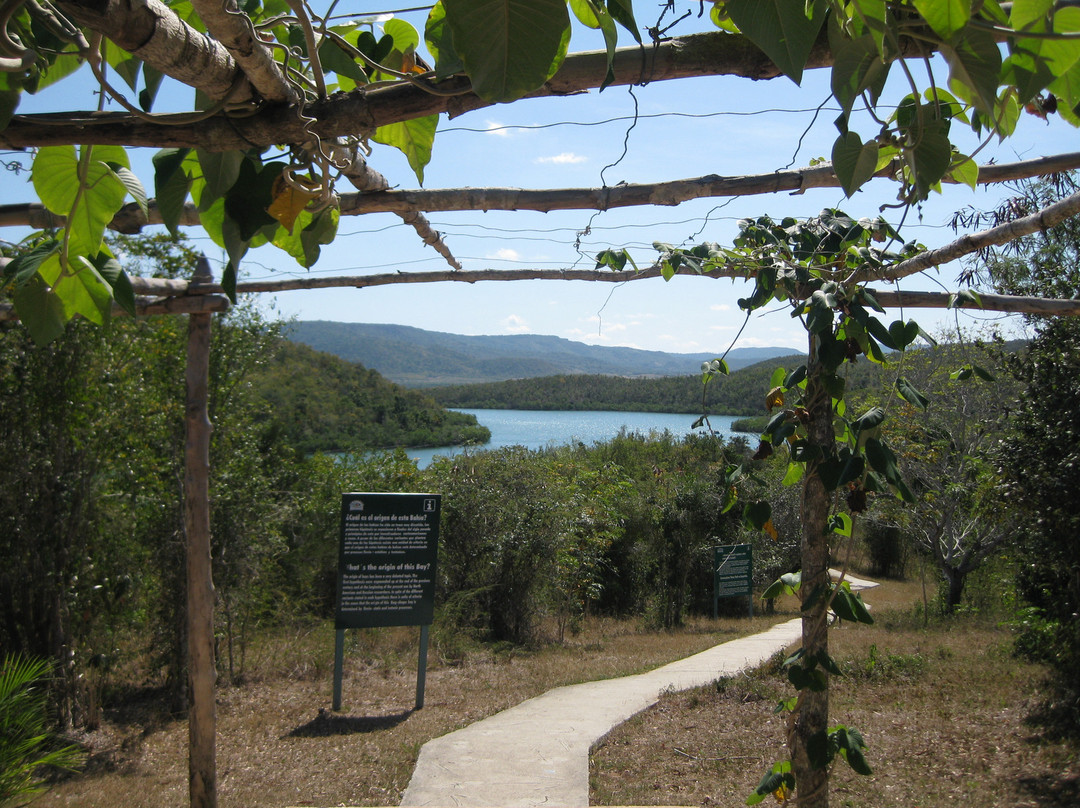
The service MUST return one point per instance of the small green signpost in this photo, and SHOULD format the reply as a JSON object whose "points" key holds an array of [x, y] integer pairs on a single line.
{"points": [[386, 570], [733, 574]]}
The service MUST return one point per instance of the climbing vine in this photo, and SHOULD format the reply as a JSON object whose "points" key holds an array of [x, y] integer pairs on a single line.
{"points": [[840, 458]]}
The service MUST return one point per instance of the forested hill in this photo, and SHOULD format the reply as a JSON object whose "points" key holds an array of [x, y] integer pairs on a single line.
{"points": [[321, 402], [418, 358], [742, 393]]}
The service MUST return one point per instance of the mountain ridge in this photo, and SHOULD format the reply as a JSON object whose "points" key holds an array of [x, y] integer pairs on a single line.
{"points": [[415, 357]]}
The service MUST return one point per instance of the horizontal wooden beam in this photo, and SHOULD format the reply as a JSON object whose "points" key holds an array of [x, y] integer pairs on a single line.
{"points": [[131, 219], [362, 110], [213, 303]]}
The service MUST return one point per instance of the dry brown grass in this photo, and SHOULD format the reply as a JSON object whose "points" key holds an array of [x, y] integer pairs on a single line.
{"points": [[279, 744], [946, 711]]}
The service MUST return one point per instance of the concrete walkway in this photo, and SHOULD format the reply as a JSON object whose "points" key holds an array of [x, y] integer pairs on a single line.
{"points": [[537, 753]]}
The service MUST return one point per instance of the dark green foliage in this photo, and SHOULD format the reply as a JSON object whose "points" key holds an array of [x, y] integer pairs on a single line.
{"points": [[888, 552], [1039, 464], [318, 402]]}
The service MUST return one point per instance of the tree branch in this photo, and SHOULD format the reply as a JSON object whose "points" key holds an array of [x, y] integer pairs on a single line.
{"points": [[366, 179], [362, 110], [144, 306], [131, 219], [1010, 231], [151, 31], [233, 29], [890, 299], [1003, 303]]}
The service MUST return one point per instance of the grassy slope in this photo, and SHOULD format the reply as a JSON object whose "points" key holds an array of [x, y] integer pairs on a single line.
{"points": [[947, 712], [280, 745], [949, 715]]}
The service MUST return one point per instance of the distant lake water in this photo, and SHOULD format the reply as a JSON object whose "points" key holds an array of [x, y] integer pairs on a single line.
{"points": [[535, 429]]}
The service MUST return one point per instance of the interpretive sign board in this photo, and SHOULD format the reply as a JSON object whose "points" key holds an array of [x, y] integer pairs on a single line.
{"points": [[733, 574], [386, 560], [386, 571]]}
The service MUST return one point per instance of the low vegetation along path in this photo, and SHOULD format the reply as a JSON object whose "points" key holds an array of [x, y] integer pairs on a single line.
{"points": [[537, 753]]}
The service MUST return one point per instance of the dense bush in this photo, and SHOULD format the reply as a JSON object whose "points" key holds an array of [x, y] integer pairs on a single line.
{"points": [[1039, 465]]}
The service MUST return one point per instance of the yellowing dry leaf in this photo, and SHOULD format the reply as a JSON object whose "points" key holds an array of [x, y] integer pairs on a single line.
{"points": [[775, 398], [289, 200]]}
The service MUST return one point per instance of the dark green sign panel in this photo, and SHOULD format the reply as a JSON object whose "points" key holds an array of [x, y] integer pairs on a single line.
{"points": [[733, 573], [386, 560]]}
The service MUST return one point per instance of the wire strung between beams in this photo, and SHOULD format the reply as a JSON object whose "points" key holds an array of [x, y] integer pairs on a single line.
{"points": [[380, 13], [621, 118], [603, 181]]}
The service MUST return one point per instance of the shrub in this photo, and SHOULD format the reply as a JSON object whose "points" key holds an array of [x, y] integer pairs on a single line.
{"points": [[27, 750]]}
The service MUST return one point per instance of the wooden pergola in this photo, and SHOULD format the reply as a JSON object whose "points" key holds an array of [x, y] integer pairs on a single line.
{"points": [[231, 65]]}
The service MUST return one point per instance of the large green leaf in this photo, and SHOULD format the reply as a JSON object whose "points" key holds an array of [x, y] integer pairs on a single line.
{"points": [[856, 67], [79, 287], [781, 28], [413, 138], [875, 19], [440, 43], [623, 12], [309, 234], [946, 17], [1029, 14], [596, 16], [509, 47], [404, 35], [220, 170], [171, 186], [247, 201], [854, 161], [910, 394], [975, 65], [40, 310], [88, 204], [883, 461], [1067, 89]]}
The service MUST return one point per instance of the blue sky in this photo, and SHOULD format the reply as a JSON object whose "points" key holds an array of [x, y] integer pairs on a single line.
{"points": [[743, 127]]}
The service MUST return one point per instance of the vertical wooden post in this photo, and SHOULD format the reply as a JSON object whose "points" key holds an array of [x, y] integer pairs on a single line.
{"points": [[202, 712], [811, 784]]}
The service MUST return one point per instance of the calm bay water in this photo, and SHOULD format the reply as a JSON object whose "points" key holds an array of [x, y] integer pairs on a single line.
{"points": [[536, 429]]}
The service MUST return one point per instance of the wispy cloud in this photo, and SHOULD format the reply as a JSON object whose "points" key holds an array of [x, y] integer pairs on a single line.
{"points": [[515, 325], [566, 158], [505, 254]]}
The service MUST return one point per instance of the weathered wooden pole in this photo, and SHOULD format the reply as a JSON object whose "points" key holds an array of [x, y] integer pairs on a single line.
{"points": [[202, 713], [812, 718]]}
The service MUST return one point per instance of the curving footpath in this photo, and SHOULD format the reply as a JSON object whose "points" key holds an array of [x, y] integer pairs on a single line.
{"points": [[537, 753]]}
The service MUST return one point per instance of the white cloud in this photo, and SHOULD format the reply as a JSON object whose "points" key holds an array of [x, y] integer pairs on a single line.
{"points": [[566, 158], [720, 307], [505, 254], [515, 325], [496, 128]]}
